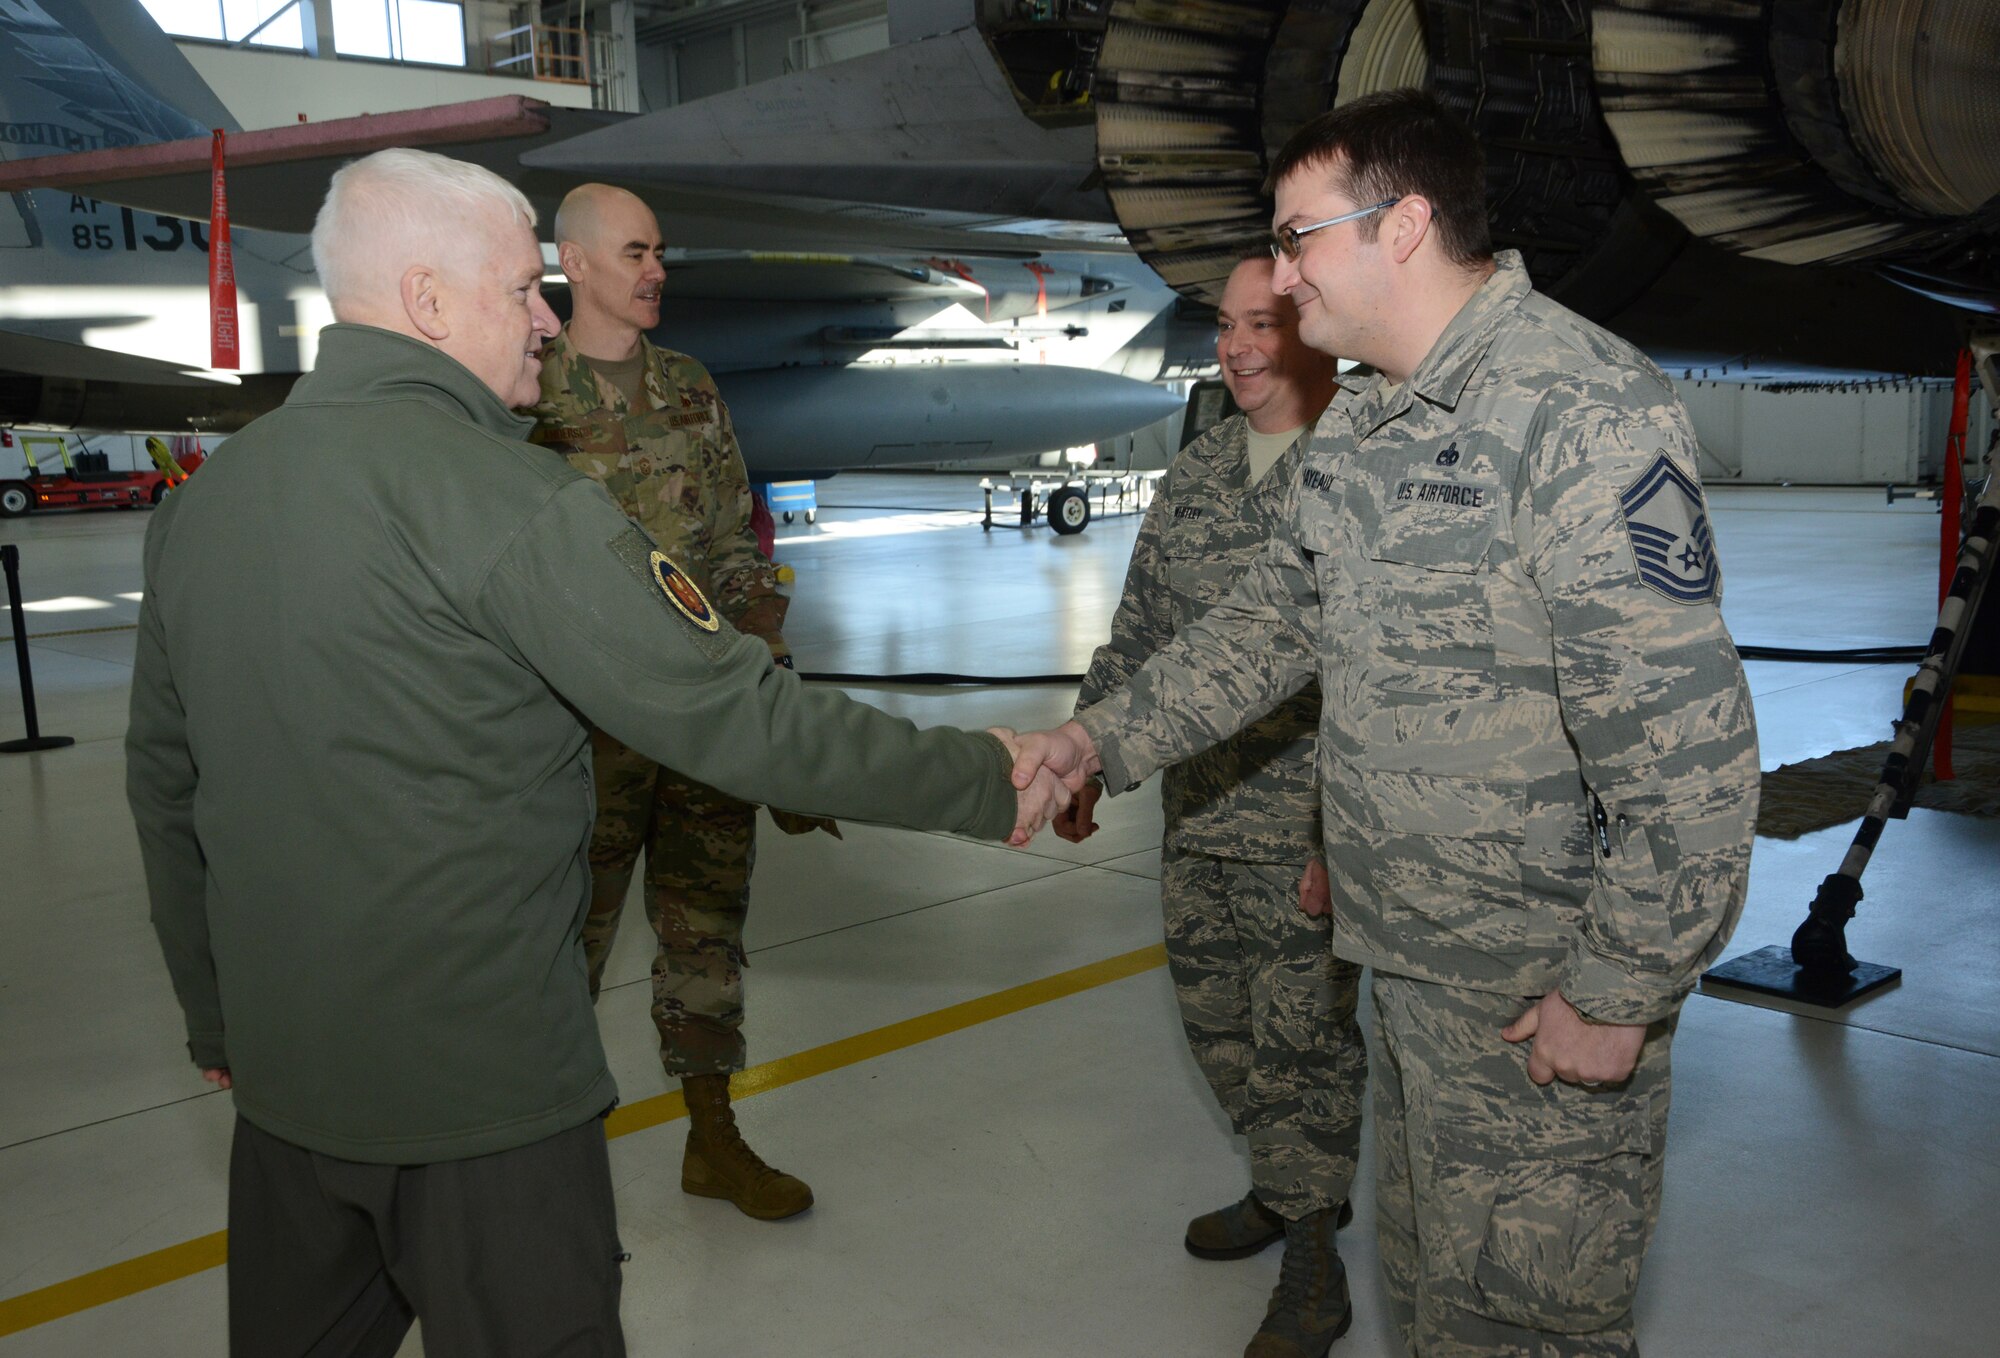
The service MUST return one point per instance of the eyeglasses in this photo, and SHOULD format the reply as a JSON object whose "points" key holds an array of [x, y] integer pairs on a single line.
{"points": [[1285, 243]]}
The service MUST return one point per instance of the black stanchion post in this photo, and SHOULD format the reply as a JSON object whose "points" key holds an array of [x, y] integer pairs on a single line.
{"points": [[10, 557], [1818, 969]]}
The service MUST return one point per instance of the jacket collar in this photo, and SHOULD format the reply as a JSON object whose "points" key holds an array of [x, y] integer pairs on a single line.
{"points": [[1227, 455], [1442, 376], [366, 364]]}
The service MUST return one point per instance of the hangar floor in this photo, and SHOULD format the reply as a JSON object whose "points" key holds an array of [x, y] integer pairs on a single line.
{"points": [[972, 1053]]}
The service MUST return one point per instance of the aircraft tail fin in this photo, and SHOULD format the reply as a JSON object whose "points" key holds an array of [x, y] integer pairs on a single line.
{"points": [[83, 75]]}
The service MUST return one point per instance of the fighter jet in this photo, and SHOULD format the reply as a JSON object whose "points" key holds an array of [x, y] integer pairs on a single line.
{"points": [[1793, 189], [1778, 189], [837, 343]]}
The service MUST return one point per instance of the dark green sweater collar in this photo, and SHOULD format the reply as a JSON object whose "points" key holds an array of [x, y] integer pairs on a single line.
{"points": [[366, 364]]}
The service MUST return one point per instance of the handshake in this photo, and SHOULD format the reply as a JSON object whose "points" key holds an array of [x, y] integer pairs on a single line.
{"points": [[1050, 768]]}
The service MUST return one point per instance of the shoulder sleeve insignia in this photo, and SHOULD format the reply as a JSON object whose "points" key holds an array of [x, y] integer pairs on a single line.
{"points": [[684, 594], [1672, 544]]}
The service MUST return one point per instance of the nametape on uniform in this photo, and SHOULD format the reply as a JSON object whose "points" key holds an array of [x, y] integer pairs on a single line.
{"points": [[684, 594], [1671, 540], [1442, 493]]}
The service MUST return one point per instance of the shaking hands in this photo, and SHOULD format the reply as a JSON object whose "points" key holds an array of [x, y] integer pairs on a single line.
{"points": [[1050, 767]]}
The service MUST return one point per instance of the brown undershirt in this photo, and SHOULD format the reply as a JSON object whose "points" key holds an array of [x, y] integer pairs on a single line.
{"points": [[628, 375]]}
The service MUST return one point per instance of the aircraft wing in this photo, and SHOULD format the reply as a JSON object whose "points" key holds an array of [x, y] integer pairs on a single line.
{"points": [[932, 125], [277, 178], [48, 357]]}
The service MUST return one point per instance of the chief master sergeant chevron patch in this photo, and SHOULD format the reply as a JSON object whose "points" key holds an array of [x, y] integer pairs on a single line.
{"points": [[1671, 542]]}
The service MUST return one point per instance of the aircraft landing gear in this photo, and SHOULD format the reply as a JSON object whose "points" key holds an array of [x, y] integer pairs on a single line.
{"points": [[1069, 510], [1063, 499]]}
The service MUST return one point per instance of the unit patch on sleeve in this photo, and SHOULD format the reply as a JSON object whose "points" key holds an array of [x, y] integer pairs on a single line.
{"points": [[684, 594], [1671, 540]]}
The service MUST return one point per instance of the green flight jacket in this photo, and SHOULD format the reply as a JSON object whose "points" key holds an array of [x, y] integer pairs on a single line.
{"points": [[372, 633]]}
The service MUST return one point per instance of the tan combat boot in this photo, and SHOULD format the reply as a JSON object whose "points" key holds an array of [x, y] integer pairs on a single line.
{"points": [[1309, 1309], [719, 1165]]}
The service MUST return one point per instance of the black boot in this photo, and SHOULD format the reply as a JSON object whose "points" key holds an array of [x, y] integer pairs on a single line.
{"points": [[1241, 1229], [1309, 1309], [1234, 1232]]}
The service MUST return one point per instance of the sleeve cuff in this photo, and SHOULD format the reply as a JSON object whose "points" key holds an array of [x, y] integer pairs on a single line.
{"points": [[1100, 723], [996, 815], [1605, 993], [208, 1051]]}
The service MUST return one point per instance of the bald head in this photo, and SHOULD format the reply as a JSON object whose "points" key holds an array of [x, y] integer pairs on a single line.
{"points": [[609, 243], [586, 209]]}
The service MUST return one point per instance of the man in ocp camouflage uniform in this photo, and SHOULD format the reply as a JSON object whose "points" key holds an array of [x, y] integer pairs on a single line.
{"points": [[1267, 1008], [648, 424], [1537, 755]]}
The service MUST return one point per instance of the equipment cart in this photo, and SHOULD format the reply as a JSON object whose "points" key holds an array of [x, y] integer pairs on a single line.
{"points": [[1063, 497]]}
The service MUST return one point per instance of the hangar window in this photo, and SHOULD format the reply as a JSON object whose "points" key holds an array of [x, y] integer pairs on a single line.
{"points": [[428, 31], [230, 20]]}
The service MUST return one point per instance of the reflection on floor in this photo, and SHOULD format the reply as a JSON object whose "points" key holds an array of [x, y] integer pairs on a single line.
{"points": [[1012, 1179]]}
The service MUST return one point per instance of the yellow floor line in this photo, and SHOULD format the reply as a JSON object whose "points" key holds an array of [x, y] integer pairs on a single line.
{"points": [[76, 632], [195, 1256]]}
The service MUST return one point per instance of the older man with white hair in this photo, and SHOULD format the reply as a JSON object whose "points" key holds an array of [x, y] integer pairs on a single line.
{"points": [[363, 793]]}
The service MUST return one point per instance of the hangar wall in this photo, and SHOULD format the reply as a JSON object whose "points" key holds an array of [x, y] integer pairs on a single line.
{"points": [[706, 50], [1878, 434], [265, 89]]}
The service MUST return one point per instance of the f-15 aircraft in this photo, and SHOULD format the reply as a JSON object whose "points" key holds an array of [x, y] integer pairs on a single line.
{"points": [[1749, 189], [852, 354], [1778, 189]]}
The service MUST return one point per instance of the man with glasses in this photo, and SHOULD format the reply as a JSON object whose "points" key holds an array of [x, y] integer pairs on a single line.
{"points": [[1537, 758], [1267, 1008]]}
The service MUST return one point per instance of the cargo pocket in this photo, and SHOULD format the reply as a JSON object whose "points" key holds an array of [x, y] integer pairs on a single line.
{"points": [[1548, 1241], [1445, 854]]}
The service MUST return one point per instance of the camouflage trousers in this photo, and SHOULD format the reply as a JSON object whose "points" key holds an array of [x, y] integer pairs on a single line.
{"points": [[1269, 1014], [699, 846], [1511, 1217]]}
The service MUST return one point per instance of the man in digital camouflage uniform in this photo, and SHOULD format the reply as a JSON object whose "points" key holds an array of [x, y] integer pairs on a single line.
{"points": [[1267, 1008], [648, 425], [1537, 755]]}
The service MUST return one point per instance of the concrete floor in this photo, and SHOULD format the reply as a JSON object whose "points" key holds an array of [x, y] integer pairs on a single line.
{"points": [[1007, 1172]]}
